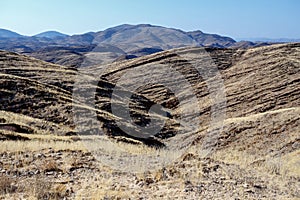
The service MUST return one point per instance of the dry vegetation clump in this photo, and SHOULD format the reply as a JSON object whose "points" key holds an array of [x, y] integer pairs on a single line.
{"points": [[50, 165], [7, 185]]}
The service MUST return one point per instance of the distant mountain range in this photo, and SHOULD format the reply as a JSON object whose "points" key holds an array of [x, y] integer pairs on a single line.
{"points": [[131, 36], [120, 42], [274, 40], [47, 34]]}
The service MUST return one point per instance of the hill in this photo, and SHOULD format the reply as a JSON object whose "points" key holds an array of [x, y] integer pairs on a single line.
{"points": [[51, 34], [130, 37], [246, 147], [9, 34]]}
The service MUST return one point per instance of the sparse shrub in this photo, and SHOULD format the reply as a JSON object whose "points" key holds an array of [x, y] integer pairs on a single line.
{"points": [[273, 166], [43, 188], [51, 165], [60, 191], [7, 185]]}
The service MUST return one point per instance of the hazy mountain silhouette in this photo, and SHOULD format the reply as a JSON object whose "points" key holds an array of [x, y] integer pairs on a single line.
{"points": [[273, 40], [51, 34], [116, 43], [9, 34]]}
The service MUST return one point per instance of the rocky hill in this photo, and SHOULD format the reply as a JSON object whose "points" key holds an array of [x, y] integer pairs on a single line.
{"points": [[245, 146], [116, 43], [212, 40]]}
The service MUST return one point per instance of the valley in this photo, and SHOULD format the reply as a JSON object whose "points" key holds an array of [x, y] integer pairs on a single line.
{"points": [[59, 132]]}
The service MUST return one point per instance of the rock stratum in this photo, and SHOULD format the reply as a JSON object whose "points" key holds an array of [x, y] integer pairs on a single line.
{"points": [[254, 155]]}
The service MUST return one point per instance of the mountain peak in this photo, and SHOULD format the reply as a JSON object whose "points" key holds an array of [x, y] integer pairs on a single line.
{"points": [[51, 34]]}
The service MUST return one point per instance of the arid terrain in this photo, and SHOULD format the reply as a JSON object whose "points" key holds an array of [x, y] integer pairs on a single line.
{"points": [[116, 43], [61, 139]]}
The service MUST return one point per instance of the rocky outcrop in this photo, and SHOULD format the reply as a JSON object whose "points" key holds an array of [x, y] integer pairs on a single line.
{"points": [[256, 81]]}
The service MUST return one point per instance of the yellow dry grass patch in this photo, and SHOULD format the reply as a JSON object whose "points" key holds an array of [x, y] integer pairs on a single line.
{"points": [[37, 145], [290, 164], [256, 116], [104, 192]]}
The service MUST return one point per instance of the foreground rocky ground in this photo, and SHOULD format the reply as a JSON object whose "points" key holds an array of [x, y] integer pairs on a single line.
{"points": [[50, 174]]}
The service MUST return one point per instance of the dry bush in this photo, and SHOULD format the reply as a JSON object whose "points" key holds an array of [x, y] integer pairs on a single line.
{"points": [[7, 185], [51, 165], [273, 166], [61, 191], [41, 188]]}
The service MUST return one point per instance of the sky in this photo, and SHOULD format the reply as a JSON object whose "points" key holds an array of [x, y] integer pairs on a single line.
{"points": [[234, 18]]}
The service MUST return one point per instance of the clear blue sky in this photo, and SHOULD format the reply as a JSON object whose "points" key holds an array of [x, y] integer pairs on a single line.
{"points": [[235, 18]]}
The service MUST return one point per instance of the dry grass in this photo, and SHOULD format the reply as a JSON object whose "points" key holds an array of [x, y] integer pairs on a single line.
{"points": [[102, 190], [254, 145], [105, 150], [287, 165], [36, 145], [284, 111], [51, 165], [33, 189], [7, 185], [290, 164]]}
